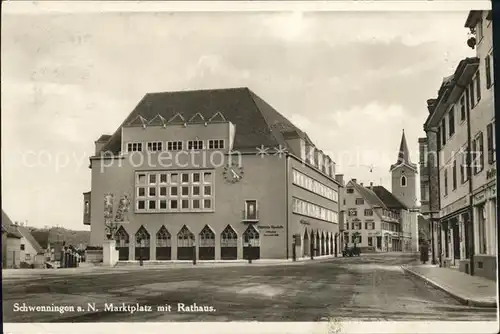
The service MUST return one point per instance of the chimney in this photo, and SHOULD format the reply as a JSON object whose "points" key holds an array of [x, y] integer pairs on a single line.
{"points": [[361, 184], [431, 103], [371, 185], [354, 180], [340, 178]]}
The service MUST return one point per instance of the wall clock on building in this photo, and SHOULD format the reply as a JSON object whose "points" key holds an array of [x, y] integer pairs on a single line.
{"points": [[233, 172]]}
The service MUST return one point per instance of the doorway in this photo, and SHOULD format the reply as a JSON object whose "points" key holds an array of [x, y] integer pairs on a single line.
{"points": [[456, 240]]}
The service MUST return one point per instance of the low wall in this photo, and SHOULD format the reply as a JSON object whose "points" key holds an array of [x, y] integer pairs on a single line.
{"points": [[93, 256]]}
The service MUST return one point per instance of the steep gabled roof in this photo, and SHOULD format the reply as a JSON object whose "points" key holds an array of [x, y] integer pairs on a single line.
{"points": [[388, 198], [257, 123], [369, 196], [9, 227], [26, 233], [404, 155]]}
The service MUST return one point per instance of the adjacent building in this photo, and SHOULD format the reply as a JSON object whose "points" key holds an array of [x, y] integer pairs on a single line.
{"points": [[11, 243], [458, 155], [212, 175], [379, 220]]}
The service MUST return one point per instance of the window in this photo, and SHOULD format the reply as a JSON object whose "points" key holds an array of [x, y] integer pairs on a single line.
{"points": [[464, 175], [353, 212], [490, 139], [314, 186], [454, 175], [155, 146], [134, 147], [488, 69], [356, 225], [443, 132], [215, 144], [87, 207], [163, 196], [370, 242], [478, 85], [467, 101], [471, 95], [22, 247], [350, 190], [251, 209], [477, 151], [174, 146], [368, 212], [360, 201], [195, 145], [346, 238], [445, 180], [462, 108], [369, 225], [27, 257], [451, 121], [312, 210], [481, 216]]}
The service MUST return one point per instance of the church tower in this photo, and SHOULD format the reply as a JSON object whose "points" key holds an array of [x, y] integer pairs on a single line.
{"points": [[404, 176]]}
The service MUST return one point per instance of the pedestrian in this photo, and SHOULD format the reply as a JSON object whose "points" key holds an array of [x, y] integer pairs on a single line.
{"points": [[424, 252]]}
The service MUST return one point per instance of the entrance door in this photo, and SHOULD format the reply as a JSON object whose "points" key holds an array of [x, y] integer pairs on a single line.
{"points": [[207, 244], [306, 246], [185, 244], [163, 244], [229, 244], [122, 241], [456, 241], [251, 246], [379, 242], [143, 239]]}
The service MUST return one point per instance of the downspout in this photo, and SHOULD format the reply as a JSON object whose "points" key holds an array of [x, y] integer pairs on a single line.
{"points": [[431, 229], [472, 245], [287, 201]]}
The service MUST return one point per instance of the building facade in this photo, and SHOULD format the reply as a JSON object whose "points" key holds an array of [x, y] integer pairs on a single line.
{"points": [[483, 142], [11, 243], [460, 160], [376, 221], [212, 175]]}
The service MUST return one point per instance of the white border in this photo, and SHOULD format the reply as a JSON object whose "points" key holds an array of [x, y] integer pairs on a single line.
{"points": [[79, 7], [261, 328], [53, 7]]}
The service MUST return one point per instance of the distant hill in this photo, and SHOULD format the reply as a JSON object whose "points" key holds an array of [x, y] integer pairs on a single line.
{"points": [[59, 235]]}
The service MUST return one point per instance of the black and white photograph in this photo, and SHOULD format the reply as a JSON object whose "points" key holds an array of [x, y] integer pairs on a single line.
{"points": [[328, 166]]}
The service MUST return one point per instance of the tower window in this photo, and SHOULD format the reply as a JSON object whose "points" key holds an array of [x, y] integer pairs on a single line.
{"points": [[403, 181]]}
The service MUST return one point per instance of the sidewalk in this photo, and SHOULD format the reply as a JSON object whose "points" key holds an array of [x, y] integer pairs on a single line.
{"points": [[125, 266], [469, 290]]}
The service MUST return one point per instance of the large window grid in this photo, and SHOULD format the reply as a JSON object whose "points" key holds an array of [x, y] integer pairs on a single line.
{"points": [[314, 186], [314, 211], [173, 191]]}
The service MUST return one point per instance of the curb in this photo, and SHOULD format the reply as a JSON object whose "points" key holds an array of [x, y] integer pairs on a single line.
{"points": [[462, 300]]}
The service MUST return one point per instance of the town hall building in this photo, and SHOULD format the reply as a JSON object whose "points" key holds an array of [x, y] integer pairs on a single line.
{"points": [[212, 175]]}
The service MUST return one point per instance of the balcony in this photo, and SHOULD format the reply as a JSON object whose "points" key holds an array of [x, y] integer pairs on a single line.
{"points": [[247, 217]]}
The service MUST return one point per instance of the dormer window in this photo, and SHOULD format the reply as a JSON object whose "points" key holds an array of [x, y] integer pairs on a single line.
{"points": [[134, 147], [155, 146], [214, 144], [403, 181], [174, 145], [195, 145]]}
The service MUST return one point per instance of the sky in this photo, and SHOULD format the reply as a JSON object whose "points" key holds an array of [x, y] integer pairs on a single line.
{"points": [[352, 80]]}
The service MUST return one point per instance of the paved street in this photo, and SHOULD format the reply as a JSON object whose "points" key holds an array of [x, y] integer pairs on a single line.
{"points": [[364, 288]]}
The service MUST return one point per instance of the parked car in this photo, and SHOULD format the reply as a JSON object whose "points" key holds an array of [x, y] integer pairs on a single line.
{"points": [[351, 251]]}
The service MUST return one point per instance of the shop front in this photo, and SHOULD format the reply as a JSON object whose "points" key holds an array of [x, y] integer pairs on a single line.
{"points": [[485, 231]]}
